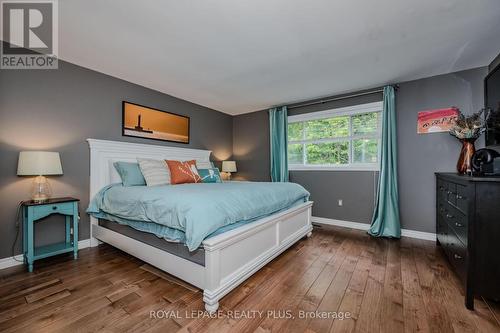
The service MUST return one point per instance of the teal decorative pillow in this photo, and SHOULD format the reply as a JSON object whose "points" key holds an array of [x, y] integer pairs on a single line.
{"points": [[211, 175], [130, 173]]}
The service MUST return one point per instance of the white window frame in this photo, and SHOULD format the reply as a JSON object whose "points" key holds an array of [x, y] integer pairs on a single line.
{"points": [[345, 111]]}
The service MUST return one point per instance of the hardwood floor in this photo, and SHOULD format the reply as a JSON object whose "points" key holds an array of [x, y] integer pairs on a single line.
{"points": [[378, 285]]}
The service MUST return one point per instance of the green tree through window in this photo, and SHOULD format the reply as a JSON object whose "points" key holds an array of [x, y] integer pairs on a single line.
{"points": [[344, 140]]}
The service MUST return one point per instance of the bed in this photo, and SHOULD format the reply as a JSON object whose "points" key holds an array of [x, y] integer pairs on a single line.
{"points": [[219, 253]]}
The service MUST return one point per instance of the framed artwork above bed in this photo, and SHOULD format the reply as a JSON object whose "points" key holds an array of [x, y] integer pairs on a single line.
{"points": [[145, 122]]}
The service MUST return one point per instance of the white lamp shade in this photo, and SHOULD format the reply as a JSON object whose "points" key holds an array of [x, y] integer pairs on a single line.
{"points": [[228, 166], [39, 163]]}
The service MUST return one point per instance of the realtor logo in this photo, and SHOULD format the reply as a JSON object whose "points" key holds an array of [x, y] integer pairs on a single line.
{"points": [[29, 34]]}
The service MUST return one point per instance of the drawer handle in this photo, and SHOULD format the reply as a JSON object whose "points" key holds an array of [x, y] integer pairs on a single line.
{"points": [[460, 197], [457, 256], [459, 224], [449, 216], [54, 207]]}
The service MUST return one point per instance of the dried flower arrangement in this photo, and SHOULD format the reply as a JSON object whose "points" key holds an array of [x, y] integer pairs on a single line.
{"points": [[469, 127]]}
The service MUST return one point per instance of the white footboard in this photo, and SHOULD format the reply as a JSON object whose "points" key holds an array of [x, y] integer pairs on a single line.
{"points": [[232, 257]]}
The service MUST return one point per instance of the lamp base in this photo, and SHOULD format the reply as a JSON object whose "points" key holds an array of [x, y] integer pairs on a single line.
{"points": [[39, 199], [41, 190]]}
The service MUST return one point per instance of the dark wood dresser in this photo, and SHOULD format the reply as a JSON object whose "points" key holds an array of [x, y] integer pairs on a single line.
{"points": [[468, 230]]}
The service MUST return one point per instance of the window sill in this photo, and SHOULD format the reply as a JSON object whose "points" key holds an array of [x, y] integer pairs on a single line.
{"points": [[333, 168]]}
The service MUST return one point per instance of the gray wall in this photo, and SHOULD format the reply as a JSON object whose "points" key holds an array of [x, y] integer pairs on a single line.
{"points": [[419, 155], [57, 110], [422, 155], [251, 146]]}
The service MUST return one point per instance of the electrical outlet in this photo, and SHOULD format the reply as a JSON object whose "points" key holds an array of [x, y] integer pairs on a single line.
{"points": [[341, 202]]}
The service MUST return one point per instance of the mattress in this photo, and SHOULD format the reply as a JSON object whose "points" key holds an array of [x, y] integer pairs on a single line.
{"points": [[190, 213], [178, 249]]}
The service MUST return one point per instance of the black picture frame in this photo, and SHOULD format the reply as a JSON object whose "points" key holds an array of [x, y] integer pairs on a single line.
{"points": [[124, 103], [491, 136]]}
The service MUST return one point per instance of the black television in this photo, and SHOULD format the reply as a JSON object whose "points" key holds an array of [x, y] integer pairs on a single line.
{"points": [[492, 102]]}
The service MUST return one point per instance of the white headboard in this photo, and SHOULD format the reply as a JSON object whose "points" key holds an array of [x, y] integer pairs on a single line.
{"points": [[104, 153]]}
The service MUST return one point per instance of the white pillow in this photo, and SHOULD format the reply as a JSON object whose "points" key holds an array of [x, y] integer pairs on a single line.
{"points": [[155, 172]]}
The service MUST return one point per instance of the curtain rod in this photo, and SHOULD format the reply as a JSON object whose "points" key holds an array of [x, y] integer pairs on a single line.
{"points": [[323, 101]]}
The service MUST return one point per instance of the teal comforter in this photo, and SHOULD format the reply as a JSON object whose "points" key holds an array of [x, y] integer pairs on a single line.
{"points": [[190, 213]]}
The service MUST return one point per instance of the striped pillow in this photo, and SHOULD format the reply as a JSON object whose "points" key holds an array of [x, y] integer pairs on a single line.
{"points": [[155, 172]]}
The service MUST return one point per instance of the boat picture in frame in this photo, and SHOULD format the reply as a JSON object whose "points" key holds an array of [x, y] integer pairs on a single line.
{"points": [[145, 122]]}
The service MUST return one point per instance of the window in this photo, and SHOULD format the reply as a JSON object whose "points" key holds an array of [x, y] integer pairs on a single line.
{"points": [[339, 139]]}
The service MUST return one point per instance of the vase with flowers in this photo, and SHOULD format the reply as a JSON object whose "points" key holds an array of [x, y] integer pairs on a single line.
{"points": [[468, 129]]}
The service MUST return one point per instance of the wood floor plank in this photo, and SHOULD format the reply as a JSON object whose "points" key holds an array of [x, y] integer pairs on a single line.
{"points": [[435, 305], [55, 267], [257, 301], [385, 285], [85, 290], [351, 303], [267, 299], [25, 291], [414, 314], [296, 291], [370, 310], [334, 294], [391, 319], [311, 301], [494, 307]]}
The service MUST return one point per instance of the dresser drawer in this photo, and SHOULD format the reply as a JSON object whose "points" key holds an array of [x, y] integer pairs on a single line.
{"points": [[457, 254], [442, 189], [442, 231], [441, 207], [462, 195], [452, 193], [460, 225], [447, 191], [457, 221]]}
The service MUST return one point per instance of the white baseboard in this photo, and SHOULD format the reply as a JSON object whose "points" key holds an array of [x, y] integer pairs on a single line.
{"points": [[364, 226], [430, 236], [11, 261], [83, 243], [18, 259]]}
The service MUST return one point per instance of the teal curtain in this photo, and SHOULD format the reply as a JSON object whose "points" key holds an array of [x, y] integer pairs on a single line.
{"points": [[278, 125], [385, 221]]}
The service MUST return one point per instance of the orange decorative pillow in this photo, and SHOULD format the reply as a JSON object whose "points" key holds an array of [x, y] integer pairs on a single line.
{"points": [[183, 172]]}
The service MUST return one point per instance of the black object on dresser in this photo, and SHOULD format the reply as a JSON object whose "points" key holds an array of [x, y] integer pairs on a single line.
{"points": [[468, 230]]}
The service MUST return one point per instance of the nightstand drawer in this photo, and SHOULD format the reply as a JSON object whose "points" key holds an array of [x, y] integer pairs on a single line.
{"points": [[65, 208]]}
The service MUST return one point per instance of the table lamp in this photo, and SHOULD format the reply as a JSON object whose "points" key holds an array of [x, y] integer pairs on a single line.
{"points": [[39, 164], [228, 167]]}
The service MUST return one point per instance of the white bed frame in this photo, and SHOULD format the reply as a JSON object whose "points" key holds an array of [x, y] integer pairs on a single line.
{"points": [[230, 258]]}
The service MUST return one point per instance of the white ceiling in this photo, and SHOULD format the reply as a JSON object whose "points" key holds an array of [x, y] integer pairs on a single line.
{"points": [[238, 56]]}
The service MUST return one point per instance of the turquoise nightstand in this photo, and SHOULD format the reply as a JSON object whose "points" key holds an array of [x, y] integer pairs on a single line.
{"points": [[33, 211]]}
